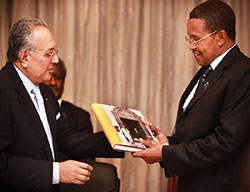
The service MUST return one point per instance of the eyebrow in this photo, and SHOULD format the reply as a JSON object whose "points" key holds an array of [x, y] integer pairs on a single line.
{"points": [[51, 49]]}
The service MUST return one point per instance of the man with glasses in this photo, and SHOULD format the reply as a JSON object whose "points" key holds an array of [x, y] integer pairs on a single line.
{"points": [[212, 127], [32, 130]]}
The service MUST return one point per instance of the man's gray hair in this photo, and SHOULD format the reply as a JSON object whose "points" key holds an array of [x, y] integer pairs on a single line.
{"points": [[19, 37]]}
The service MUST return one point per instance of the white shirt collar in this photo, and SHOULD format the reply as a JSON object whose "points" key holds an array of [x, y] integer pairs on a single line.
{"points": [[59, 101], [28, 84], [216, 62]]}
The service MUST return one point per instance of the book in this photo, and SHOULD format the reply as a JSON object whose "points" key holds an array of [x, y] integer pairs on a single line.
{"points": [[123, 127]]}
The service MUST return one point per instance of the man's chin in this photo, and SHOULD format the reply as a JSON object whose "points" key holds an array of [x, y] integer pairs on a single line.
{"points": [[200, 62], [56, 93]]}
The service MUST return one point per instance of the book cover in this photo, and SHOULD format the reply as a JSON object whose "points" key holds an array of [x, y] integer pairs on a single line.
{"points": [[123, 127]]}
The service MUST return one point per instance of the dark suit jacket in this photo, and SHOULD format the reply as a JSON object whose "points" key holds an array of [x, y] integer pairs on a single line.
{"points": [[77, 118], [212, 132], [25, 155]]}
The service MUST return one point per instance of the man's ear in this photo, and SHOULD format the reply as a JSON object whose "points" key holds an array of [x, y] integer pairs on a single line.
{"points": [[23, 57], [222, 36]]}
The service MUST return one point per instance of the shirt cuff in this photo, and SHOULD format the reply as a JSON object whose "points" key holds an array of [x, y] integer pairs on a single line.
{"points": [[55, 178]]}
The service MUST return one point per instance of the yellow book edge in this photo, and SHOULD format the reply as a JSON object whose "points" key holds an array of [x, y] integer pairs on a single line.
{"points": [[106, 124]]}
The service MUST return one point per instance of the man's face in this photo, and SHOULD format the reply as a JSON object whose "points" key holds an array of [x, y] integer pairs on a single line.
{"points": [[40, 64], [56, 83], [206, 50]]}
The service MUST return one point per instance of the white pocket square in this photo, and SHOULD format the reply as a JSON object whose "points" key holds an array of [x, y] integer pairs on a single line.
{"points": [[58, 115]]}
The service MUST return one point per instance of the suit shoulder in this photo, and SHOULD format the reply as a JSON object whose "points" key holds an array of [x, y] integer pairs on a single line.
{"points": [[49, 95], [240, 64], [4, 78], [68, 106], [242, 60]]}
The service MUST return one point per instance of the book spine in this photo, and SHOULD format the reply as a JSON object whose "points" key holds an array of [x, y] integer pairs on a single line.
{"points": [[106, 124]]}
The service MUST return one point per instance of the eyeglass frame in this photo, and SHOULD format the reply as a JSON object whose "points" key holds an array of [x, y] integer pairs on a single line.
{"points": [[188, 39], [46, 53]]}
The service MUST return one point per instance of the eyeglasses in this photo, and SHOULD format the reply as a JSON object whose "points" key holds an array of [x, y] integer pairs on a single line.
{"points": [[47, 53], [189, 40]]}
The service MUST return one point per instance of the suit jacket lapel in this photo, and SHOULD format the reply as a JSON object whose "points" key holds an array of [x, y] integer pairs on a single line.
{"points": [[186, 93], [29, 109], [212, 78], [207, 85]]}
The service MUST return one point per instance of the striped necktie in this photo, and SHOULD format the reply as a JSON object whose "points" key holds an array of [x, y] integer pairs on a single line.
{"points": [[34, 92], [202, 82]]}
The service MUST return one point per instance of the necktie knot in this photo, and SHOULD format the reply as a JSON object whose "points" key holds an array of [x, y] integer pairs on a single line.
{"points": [[35, 92], [206, 72]]}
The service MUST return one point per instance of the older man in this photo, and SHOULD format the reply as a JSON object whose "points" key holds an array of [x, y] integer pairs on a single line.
{"points": [[32, 130]]}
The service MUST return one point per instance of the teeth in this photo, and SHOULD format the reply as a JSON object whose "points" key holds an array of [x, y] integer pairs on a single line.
{"points": [[196, 53]]}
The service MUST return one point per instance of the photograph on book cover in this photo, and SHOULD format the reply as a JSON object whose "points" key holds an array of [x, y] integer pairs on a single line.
{"points": [[129, 125]]}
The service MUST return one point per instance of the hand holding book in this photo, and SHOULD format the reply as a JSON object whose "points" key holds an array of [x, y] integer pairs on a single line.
{"points": [[123, 127], [153, 152], [159, 134]]}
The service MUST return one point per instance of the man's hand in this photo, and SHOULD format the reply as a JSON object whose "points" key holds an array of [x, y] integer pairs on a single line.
{"points": [[162, 138], [74, 172], [153, 152]]}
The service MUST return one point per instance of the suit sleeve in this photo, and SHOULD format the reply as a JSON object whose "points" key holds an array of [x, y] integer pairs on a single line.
{"points": [[228, 136], [80, 145]]}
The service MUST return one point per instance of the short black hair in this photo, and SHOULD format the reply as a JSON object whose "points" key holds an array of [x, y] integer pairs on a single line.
{"points": [[217, 15], [62, 66]]}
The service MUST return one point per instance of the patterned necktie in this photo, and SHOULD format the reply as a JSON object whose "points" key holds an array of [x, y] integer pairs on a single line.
{"points": [[34, 92], [202, 83]]}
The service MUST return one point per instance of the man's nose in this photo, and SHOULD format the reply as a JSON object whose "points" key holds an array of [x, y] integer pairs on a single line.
{"points": [[55, 59], [192, 45], [52, 81]]}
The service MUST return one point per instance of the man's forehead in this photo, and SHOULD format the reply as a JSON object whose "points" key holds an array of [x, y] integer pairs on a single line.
{"points": [[196, 25], [57, 69], [40, 30], [42, 35]]}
